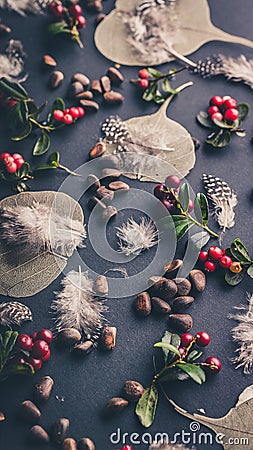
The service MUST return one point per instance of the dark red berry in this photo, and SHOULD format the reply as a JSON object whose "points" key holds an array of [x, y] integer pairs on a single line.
{"points": [[229, 103], [11, 167], [216, 100], [215, 253], [143, 83], [47, 356], [213, 109], [191, 205], [58, 115], [215, 364], [36, 363], [74, 112], [203, 256], [19, 162], [45, 335], [182, 353], [40, 349], [8, 159], [56, 9], [217, 116], [4, 155], [172, 181], [210, 266], [75, 11], [225, 262], [81, 111], [17, 156], [143, 73], [33, 336], [186, 339], [202, 338], [160, 192], [67, 119], [168, 205], [81, 21], [231, 114], [24, 342]]}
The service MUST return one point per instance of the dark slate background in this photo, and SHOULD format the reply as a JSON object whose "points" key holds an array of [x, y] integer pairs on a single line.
{"points": [[87, 384]]}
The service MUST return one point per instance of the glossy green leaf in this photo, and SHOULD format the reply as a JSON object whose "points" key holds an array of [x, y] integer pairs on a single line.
{"points": [[182, 227], [42, 144], [154, 73], [58, 104], [184, 196], [21, 369], [204, 119], [167, 346], [219, 139], [166, 87], [150, 92], [24, 170], [199, 240], [11, 342], [239, 251], [54, 157], [58, 27], [146, 406], [194, 372], [22, 187], [234, 278], [173, 339], [13, 90], [243, 109], [201, 205], [250, 271], [46, 167], [24, 133], [173, 374], [194, 355], [221, 124]]}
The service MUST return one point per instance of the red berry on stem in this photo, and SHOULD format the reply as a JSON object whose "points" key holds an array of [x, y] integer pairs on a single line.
{"points": [[229, 103], [58, 115], [215, 364], [143, 73], [81, 21], [217, 116], [216, 100], [75, 11], [186, 339], [67, 119], [215, 253], [11, 167], [202, 338], [40, 349], [143, 83], [225, 262], [127, 447], [168, 205], [172, 181], [213, 109], [24, 342], [36, 363], [81, 111], [231, 114], [19, 162], [56, 9], [45, 335], [191, 205], [203, 256], [210, 266], [74, 112], [225, 97], [8, 159], [4, 155], [47, 356], [16, 156], [160, 191]]}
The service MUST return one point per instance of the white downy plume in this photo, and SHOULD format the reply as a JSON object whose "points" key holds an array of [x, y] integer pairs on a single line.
{"points": [[33, 230], [135, 237], [224, 200], [25, 6], [14, 313], [12, 62], [77, 307], [162, 446], [242, 334]]}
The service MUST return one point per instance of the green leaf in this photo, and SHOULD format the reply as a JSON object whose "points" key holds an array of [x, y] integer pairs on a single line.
{"points": [[21, 369], [154, 73], [22, 187], [24, 170], [201, 204], [219, 139], [158, 99], [13, 90], [42, 144], [167, 346], [173, 339], [193, 355], [11, 342], [58, 104], [250, 271], [204, 119], [184, 196], [24, 132], [239, 251], [166, 87], [150, 92], [146, 406], [234, 278], [45, 167], [243, 109], [7, 337], [195, 372], [199, 240], [55, 158], [34, 111], [221, 124], [58, 27], [181, 227], [174, 374]]}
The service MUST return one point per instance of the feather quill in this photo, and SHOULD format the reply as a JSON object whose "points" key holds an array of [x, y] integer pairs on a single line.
{"points": [[14, 313], [224, 201], [25, 6], [77, 307], [242, 334], [12, 62], [36, 229]]}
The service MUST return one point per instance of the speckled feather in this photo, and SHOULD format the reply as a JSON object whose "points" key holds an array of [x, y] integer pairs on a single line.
{"points": [[14, 313]]}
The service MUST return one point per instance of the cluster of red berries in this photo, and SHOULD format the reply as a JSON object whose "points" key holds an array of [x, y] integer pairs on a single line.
{"points": [[162, 192], [143, 81], [201, 339], [223, 108], [36, 346], [58, 11], [126, 447], [68, 116], [216, 255], [11, 162]]}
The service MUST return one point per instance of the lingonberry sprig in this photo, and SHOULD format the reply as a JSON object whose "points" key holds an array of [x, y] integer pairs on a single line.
{"points": [[155, 84], [11, 362], [23, 116], [224, 117], [184, 211], [68, 18]]}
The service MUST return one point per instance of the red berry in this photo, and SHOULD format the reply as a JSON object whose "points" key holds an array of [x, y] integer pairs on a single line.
{"points": [[56, 9], [215, 363], [8, 159], [168, 205], [33, 336], [47, 356], [231, 114], [36, 363], [202, 338], [143, 83], [203, 256], [66, 111], [172, 181], [19, 162], [216, 100], [191, 205], [217, 116], [215, 253], [74, 112], [4, 155], [212, 110], [229, 103], [45, 335], [40, 349], [182, 353], [210, 266], [127, 447], [143, 73], [225, 262], [75, 11], [67, 119], [160, 192], [58, 115], [81, 21], [16, 156], [186, 339], [24, 342], [81, 111], [11, 167], [225, 97]]}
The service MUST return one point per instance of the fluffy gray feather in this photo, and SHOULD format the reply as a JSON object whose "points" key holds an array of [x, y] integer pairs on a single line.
{"points": [[12, 62], [14, 313], [25, 6]]}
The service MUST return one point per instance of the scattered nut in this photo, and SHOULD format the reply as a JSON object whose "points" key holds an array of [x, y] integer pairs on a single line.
{"points": [[100, 285], [115, 75], [29, 412], [84, 348], [115, 405], [152, 280], [89, 105], [160, 306], [173, 266], [98, 150], [86, 444], [96, 87], [142, 304], [69, 444], [69, 336], [119, 185], [56, 78], [183, 286], [81, 78], [109, 212], [133, 390], [105, 83], [113, 97], [43, 389], [2, 416], [164, 289], [198, 279], [59, 430], [75, 89], [108, 338], [49, 61], [182, 302], [85, 95], [38, 435], [182, 322]]}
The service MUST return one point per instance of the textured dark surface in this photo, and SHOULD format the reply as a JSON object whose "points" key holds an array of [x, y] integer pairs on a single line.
{"points": [[87, 384]]}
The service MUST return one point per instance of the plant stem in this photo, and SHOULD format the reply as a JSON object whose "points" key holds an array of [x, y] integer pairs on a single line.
{"points": [[68, 170], [39, 125], [169, 75]]}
